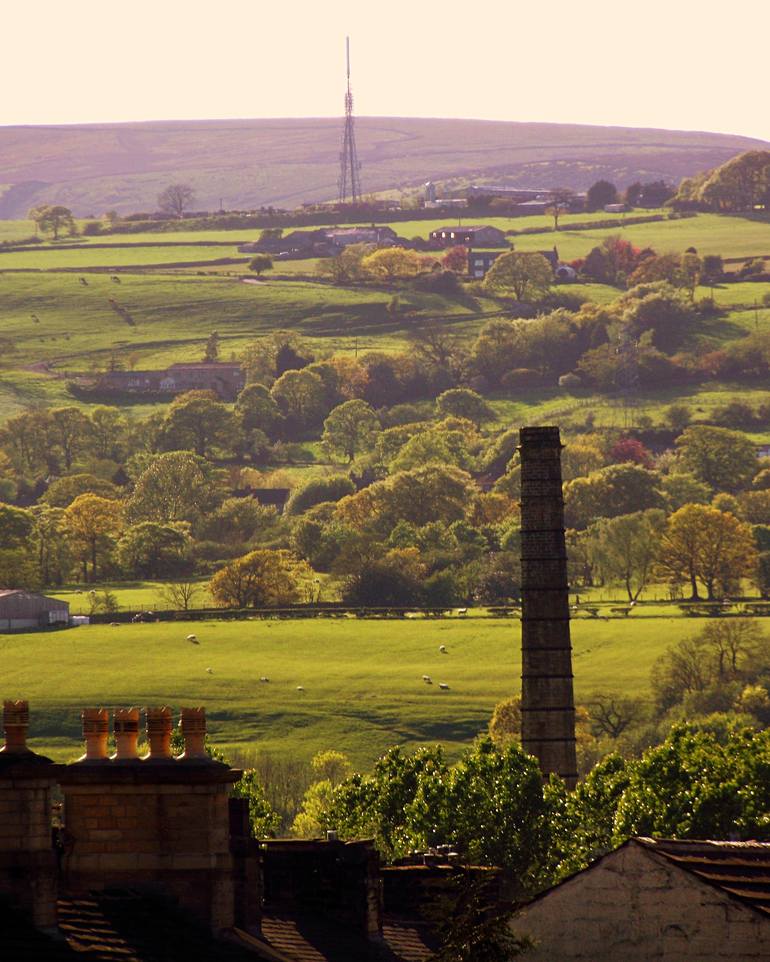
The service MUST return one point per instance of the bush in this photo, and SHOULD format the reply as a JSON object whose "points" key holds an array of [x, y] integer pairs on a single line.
{"points": [[521, 377], [570, 382], [319, 490]]}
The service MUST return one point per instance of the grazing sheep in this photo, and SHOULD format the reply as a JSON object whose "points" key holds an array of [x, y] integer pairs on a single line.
{"points": [[264, 678], [442, 649], [84, 282], [300, 688], [426, 678], [113, 624], [193, 639], [443, 686], [462, 611], [114, 279], [210, 671]]}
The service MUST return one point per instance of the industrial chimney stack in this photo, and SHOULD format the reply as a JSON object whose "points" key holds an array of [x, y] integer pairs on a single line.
{"points": [[547, 701]]}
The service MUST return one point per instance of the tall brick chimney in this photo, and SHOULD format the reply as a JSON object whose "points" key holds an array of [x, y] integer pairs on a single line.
{"points": [[27, 859], [547, 701]]}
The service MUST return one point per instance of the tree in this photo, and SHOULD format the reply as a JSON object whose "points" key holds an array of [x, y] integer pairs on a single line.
{"points": [[199, 423], [70, 432], [559, 204], [527, 276], [626, 548], [390, 263], [703, 544], [386, 582], [150, 549], [177, 486], [615, 490], [456, 260], [108, 434], [175, 199], [726, 460], [259, 579], [261, 263], [351, 427], [600, 194], [319, 491], [93, 523], [51, 543], [53, 218], [63, 491], [301, 397], [180, 594], [257, 410], [461, 402], [612, 713], [211, 353]]}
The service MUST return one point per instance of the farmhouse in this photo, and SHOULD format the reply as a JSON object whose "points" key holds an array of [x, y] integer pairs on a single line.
{"points": [[226, 380], [479, 235], [657, 899], [20, 610], [322, 242]]}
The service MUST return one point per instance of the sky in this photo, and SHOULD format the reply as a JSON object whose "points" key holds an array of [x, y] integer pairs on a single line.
{"points": [[671, 64]]}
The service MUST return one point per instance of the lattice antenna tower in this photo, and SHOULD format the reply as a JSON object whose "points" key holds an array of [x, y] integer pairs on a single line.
{"points": [[350, 177]]}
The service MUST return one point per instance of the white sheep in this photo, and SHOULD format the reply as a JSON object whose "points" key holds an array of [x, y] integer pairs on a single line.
{"points": [[443, 686], [462, 611], [193, 639], [300, 688], [210, 671], [264, 678], [442, 649]]}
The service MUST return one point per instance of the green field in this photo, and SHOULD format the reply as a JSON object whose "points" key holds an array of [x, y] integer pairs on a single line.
{"points": [[362, 679], [53, 258], [707, 233]]}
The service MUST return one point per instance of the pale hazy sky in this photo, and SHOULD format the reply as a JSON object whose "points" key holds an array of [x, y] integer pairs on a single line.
{"points": [[658, 63]]}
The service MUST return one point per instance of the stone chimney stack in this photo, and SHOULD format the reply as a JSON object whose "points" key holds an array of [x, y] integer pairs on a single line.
{"points": [[547, 701], [27, 859]]}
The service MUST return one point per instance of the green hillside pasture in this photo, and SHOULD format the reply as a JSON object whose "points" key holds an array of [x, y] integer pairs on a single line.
{"points": [[570, 410], [75, 323], [707, 233], [57, 258], [15, 230], [362, 679]]}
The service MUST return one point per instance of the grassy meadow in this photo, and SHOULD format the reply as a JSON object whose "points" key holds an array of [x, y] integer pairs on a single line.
{"points": [[362, 679]]}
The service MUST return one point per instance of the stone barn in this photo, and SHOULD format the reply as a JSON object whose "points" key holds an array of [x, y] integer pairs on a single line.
{"points": [[657, 899], [21, 610]]}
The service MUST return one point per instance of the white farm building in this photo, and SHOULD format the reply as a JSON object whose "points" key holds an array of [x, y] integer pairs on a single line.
{"points": [[20, 610]]}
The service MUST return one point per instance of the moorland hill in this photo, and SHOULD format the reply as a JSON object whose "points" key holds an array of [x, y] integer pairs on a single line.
{"points": [[250, 163]]}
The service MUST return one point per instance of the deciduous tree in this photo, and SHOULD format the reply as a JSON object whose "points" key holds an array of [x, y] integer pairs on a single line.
{"points": [[175, 199], [526, 275], [350, 428]]}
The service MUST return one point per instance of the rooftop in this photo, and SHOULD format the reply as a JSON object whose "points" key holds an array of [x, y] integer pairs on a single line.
{"points": [[740, 869]]}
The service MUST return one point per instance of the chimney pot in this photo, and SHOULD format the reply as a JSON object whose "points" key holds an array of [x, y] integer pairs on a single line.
{"points": [[193, 725], [96, 729], [15, 725], [159, 725], [126, 726]]}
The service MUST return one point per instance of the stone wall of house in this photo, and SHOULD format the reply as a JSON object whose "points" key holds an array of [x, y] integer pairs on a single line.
{"points": [[635, 907]]}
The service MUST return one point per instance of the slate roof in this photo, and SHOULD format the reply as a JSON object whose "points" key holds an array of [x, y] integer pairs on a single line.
{"points": [[128, 927], [317, 940], [121, 926], [740, 869]]}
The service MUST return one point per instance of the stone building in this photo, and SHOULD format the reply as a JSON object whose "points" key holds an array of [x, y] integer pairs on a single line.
{"points": [[226, 380], [152, 859], [672, 901], [547, 701]]}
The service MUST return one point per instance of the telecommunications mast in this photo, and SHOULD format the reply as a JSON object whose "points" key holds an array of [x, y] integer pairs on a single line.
{"points": [[350, 180]]}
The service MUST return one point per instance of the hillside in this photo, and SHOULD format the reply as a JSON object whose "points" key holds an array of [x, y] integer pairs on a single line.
{"points": [[250, 163]]}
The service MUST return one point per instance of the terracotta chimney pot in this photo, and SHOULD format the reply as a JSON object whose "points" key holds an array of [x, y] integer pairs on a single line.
{"points": [[193, 725], [126, 726], [15, 725], [159, 724], [96, 730]]}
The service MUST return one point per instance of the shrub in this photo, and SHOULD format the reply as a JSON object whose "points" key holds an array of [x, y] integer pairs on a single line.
{"points": [[319, 490]]}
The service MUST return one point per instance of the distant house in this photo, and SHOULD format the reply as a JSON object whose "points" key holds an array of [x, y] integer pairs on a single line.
{"points": [[322, 242], [479, 235], [657, 899], [615, 208], [479, 262], [225, 379], [344, 236], [21, 610]]}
